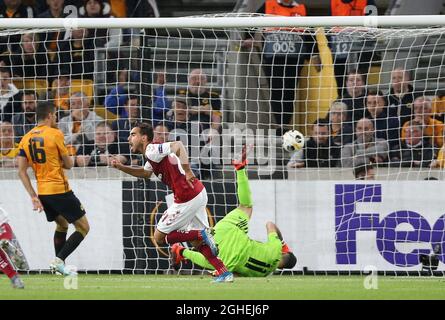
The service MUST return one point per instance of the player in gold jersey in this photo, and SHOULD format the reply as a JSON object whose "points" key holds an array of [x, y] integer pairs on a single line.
{"points": [[43, 148]]}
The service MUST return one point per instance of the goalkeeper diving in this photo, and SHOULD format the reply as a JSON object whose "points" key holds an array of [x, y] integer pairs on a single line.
{"points": [[241, 255]]}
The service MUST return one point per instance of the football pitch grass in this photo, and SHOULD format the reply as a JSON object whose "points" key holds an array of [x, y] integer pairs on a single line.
{"points": [[185, 287]]}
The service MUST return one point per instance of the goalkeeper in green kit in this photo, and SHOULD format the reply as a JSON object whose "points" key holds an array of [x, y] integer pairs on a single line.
{"points": [[242, 255]]}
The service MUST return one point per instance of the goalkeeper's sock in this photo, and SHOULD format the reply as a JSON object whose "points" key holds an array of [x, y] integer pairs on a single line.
{"points": [[243, 188], [59, 241], [70, 245], [183, 236], [284, 247], [6, 266], [213, 260]]}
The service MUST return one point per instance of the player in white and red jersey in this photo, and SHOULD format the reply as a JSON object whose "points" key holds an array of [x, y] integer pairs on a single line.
{"points": [[186, 219], [9, 253]]}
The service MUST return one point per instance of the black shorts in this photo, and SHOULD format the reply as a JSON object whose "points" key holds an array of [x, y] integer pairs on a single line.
{"points": [[64, 204]]}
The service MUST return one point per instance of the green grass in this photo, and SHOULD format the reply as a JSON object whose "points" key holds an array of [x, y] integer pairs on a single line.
{"points": [[199, 288]]}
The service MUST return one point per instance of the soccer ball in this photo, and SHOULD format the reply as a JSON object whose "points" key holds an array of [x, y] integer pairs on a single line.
{"points": [[293, 140]]}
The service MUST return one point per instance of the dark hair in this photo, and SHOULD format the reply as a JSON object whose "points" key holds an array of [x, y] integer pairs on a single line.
{"points": [[132, 97], [362, 168], [321, 122], [145, 129], [29, 92], [44, 109], [374, 92], [289, 260], [5, 69]]}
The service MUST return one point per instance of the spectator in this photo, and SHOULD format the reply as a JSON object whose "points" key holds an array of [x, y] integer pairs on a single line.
{"points": [[76, 55], [13, 9], [31, 59], [108, 38], [355, 95], [431, 127], [340, 129], [439, 107], [350, 7], [341, 44], [102, 149], [10, 96], [282, 67], [190, 133], [317, 151], [317, 87], [56, 9], [415, 150], [401, 95], [161, 105], [25, 120], [80, 125], [8, 147], [366, 148], [440, 161], [161, 134], [178, 117], [123, 125], [365, 171], [203, 105], [118, 96], [386, 127], [60, 95]]}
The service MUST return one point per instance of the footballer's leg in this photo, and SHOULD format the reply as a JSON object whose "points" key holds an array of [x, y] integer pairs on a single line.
{"points": [[5, 264], [82, 228], [60, 233]]}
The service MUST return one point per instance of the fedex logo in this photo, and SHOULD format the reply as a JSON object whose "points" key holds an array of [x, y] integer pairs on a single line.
{"points": [[348, 222]]}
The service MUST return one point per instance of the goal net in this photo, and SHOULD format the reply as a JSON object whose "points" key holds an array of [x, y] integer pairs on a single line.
{"points": [[369, 100]]}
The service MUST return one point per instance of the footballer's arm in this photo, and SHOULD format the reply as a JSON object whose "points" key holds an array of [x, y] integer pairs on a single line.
{"points": [[23, 175], [67, 162], [178, 148], [138, 172]]}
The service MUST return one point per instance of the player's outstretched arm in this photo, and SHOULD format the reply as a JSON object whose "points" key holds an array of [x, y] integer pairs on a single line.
{"points": [[138, 172], [23, 175]]}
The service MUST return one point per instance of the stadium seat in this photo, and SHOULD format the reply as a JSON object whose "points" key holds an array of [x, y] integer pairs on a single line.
{"points": [[86, 86], [39, 85], [105, 114]]}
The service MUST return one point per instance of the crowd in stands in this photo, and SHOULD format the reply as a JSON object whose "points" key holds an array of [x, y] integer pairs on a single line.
{"points": [[363, 127], [398, 129]]}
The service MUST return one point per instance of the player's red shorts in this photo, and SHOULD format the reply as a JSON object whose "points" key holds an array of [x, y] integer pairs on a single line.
{"points": [[5, 232]]}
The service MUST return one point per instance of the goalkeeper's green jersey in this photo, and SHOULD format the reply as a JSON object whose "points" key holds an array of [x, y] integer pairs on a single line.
{"points": [[240, 254]]}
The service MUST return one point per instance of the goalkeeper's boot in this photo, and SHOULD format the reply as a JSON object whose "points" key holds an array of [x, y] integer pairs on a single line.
{"points": [[59, 267], [16, 255], [225, 277], [207, 237], [17, 283], [176, 255], [241, 162]]}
